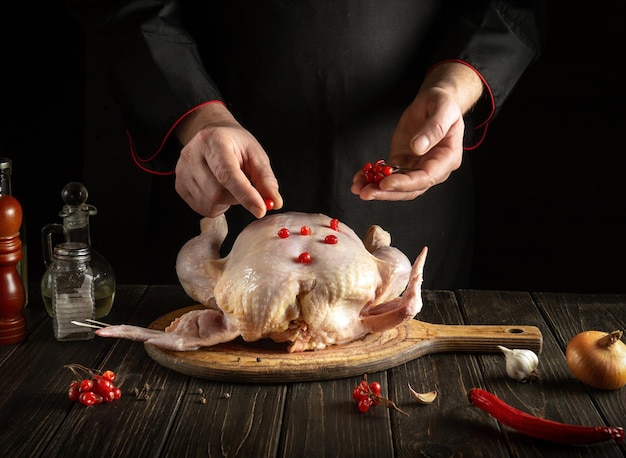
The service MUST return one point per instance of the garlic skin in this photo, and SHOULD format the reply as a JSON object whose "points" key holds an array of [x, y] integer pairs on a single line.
{"points": [[423, 398], [521, 365]]}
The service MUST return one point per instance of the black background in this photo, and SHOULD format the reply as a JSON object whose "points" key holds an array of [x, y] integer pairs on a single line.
{"points": [[551, 199]]}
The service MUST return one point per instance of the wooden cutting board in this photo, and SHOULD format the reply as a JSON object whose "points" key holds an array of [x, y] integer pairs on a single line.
{"points": [[268, 362]]}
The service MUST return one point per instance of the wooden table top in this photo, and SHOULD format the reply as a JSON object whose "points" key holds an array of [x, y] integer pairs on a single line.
{"points": [[189, 416]]}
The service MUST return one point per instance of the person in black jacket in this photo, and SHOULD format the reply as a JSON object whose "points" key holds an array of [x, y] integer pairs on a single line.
{"points": [[238, 97]]}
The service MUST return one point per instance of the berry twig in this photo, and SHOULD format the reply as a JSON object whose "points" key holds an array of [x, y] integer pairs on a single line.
{"points": [[368, 394]]}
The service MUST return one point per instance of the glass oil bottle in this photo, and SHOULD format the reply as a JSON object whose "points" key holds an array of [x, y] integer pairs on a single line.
{"points": [[75, 228]]}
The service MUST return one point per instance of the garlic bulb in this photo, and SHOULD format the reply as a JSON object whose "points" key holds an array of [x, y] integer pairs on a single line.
{"points": [[521, 365]]}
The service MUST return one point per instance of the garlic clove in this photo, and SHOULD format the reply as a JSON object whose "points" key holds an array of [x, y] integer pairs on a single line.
{"points": [[423, 398], [521, 364]]}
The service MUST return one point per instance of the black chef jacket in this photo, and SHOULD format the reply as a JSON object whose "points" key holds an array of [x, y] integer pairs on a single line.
{"points": [[321, 84]]}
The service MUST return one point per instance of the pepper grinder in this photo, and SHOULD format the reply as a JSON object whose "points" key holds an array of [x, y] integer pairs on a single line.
{"points": [[12, 295], [6, 169]]}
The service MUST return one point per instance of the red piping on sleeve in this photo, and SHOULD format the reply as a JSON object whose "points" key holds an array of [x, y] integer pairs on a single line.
{"points": [[140, 162], [485, 124]]}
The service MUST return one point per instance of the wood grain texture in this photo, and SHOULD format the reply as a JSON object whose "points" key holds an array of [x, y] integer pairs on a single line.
{"points": [[555, 395], [227, 420], [267, 362], [193, 417], [570, 314], [428, 430]]}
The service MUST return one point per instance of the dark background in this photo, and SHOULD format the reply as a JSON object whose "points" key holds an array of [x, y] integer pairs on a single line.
{"points": [[551, 199]]}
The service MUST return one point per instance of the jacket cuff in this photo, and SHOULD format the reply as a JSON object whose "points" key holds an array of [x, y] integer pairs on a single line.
{"points": [[163, 160], [478, 118]]}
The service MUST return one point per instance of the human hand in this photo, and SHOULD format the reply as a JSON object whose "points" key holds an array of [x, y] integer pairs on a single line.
{"points": [[428, 137], [222, 164]]}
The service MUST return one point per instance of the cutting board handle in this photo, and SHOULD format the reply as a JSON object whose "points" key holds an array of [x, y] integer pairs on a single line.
{"points": [[477, 338]]}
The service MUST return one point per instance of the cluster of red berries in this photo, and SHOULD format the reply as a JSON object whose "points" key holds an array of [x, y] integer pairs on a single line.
{"points": [[91, 388], [366, 395], [374, 172]]}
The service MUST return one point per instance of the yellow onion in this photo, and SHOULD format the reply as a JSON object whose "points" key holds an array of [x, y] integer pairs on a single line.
{"points": [[598, 359]]}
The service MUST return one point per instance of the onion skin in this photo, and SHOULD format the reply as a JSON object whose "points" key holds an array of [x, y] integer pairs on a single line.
{"points": [[598, 359]]}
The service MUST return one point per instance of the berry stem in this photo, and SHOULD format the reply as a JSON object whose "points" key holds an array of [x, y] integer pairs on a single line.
{"points": [[387, 403]]}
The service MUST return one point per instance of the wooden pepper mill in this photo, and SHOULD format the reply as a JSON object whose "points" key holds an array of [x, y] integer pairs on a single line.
{"points": [[12, 297]]}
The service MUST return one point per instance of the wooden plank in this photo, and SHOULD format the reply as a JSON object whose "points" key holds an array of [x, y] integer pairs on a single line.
{"points": [[552, 397], [312, 418], [245, 424], [218, 419], [449, 426], [321, 419], [569, 314], [136, 425], [35, 392], [35, 314]]}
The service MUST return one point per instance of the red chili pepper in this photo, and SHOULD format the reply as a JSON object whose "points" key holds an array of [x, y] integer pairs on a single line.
{"points": [[540, 427]]}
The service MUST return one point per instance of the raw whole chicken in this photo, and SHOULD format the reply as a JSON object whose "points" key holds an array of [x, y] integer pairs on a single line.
{"points": [[291, 277]]}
